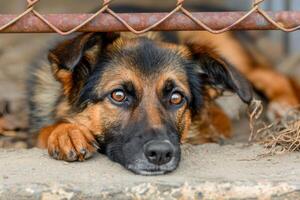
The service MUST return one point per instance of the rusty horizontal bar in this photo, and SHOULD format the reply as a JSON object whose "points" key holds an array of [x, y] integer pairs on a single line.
{"points": [[105, 22]]}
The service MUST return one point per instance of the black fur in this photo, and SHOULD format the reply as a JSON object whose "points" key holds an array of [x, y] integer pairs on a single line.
{"points": [[125, 143]]}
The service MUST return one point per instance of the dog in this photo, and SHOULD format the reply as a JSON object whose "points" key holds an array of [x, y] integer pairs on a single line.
{"points": [[137, 98]]}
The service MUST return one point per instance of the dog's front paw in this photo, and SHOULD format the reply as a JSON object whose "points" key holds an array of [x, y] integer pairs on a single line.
{"points": [[71, 142]]}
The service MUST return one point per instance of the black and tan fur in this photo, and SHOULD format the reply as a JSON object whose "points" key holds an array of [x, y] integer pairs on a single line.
{"points": [[75, 115]]}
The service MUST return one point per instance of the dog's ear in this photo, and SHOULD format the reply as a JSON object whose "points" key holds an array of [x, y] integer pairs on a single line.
{"points": [[80, 53], [217, 72], [73, 60]]}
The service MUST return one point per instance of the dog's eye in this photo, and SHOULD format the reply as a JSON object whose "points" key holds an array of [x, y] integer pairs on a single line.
{"points": [[176, 98], [118, 95]]}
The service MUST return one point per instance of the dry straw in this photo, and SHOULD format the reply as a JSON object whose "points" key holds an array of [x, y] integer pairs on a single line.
{"points": [[283, 135]]}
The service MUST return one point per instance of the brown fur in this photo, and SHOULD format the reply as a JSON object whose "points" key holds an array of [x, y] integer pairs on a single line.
{"points": [[71, 135], [214, 126], [64, 136], [258, 71], [275, 86]]}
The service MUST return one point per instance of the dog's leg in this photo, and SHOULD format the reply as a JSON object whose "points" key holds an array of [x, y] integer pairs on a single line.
{"points": [[278, 89], [212, 126], [66, 141]]}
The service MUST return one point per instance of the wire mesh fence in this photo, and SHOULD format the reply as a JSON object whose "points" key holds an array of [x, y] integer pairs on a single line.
{"points": [[105, 19]]}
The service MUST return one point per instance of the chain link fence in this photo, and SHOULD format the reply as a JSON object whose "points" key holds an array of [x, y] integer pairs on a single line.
{"points": [[179, 18]]}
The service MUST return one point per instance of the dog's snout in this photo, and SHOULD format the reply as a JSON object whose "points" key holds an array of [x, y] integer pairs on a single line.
{"points": [[159, 152]]}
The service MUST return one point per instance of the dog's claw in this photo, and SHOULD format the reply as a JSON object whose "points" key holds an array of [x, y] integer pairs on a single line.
{"points": [[55, 154], [83, 152], [72, 156], [96, 145]]}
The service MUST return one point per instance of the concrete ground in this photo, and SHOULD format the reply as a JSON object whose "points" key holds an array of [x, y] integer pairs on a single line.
{"points": [[206, 172]]}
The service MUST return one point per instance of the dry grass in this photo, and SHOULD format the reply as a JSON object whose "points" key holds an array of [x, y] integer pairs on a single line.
{"points": [[283, 135]]}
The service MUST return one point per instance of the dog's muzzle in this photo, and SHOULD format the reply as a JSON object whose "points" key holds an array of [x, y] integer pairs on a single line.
{"points": [[157, 157], [147, 152]]}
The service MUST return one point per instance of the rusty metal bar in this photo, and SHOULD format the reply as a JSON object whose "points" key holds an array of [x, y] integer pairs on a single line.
{"points": [[105, 22]]}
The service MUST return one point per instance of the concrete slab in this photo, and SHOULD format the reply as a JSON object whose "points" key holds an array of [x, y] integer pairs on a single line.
{"points": [[206, 172]]}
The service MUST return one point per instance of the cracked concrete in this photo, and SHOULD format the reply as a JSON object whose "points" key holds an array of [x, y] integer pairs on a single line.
{"points": [[207, 171]]}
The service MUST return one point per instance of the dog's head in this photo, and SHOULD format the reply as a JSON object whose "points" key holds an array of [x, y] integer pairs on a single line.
{"points": [[139, 95]]}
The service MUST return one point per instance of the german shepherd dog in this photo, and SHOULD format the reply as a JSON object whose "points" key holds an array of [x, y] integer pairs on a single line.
{"points": [[136, 98]]}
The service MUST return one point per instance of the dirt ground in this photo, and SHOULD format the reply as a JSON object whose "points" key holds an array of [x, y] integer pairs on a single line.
{"points": [[206, 172]]}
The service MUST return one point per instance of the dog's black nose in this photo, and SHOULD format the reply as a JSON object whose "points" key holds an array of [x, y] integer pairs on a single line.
{"points": [[159, 152]]}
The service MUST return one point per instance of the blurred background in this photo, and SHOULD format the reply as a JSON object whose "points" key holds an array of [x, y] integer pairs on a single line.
{"points": [[18, 51]]}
